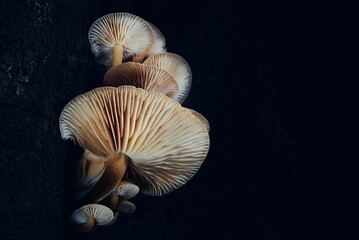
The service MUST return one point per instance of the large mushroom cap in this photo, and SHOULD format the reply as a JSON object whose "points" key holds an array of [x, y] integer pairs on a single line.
{"points": [[166, 144], [102, 215], [133, 33], [178, 68], [150, 78]]}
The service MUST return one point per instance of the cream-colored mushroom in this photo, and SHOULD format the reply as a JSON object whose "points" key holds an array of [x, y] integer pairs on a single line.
{"points": [[117, 200], [159, 43], [89, 216], [118, 37], [150, 78], [161, 143], [178, 68]]}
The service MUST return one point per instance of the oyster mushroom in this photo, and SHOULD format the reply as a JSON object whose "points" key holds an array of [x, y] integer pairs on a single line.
{"points": [[178, 68], [150, 78], [124, 191], [118, 37], [117, 200], [161, 143], [89, 216]]}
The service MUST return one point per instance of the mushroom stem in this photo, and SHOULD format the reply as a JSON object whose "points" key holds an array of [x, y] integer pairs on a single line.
{"points": [[117, 54], [115, 167], [87, 226]]}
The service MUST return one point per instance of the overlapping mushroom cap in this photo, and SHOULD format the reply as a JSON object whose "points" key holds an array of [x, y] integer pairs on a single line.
{"points": [[129, 32], [159, 43], [178, 68], [166, 144], [150, 78]]}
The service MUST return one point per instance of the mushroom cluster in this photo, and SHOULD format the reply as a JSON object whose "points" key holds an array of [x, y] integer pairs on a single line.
{"points": [[136, 135]]}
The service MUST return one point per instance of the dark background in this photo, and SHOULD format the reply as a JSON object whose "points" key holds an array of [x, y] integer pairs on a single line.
{"points": [[275, 80]]}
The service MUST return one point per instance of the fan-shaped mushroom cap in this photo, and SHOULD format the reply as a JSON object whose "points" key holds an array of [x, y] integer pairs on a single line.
{"points": [[178, 68], [166, 144], [203, 120], [133, 33], [159, 44], [90, 215], [126, 190], [150, 78]]}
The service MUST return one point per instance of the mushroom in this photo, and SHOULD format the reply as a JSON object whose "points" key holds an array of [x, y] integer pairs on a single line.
{"points": [[117, 200], [124, 191], [178, 68], [89, 216], [148, 77], [159, 44], [203, 120], [117, 37], [161, 143]]}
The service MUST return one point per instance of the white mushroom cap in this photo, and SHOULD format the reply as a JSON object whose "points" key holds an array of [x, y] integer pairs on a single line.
{"points": [[150, 78], [102, 214], [132, 32], [159, 44], [178, 68], [203, 120], [166, 144], [126, 190]]}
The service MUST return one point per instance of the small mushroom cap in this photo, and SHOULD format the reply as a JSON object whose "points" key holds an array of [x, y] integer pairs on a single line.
{"points": [[126, 190], [203, 120], [150, 78], [166, 144], [178, 68], [159, 44], [132, 32], [102, 214], [125, 208]]}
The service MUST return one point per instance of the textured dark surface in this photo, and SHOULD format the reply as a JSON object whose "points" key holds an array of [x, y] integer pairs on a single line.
{"points": [[261, 75]]}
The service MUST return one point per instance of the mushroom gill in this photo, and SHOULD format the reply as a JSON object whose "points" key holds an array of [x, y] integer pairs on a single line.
{"points": [[147, 133]]}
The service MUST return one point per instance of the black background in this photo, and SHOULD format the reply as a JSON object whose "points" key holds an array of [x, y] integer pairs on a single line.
{"points": [[276, 80]]}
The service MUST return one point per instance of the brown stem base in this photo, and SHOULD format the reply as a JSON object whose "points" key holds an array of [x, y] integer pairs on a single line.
{"points": [[115, 167]]}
